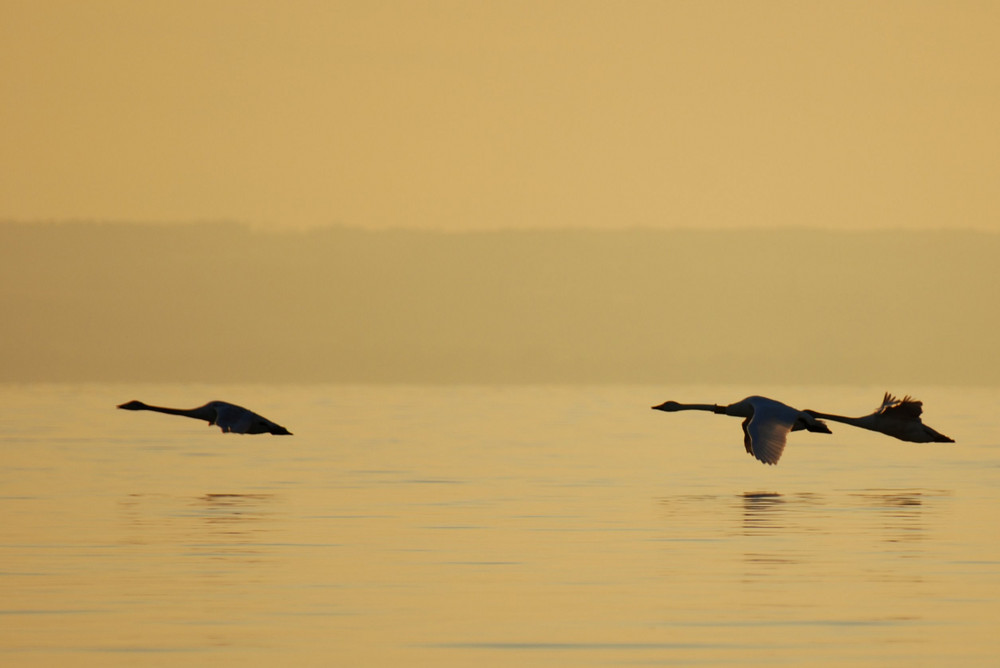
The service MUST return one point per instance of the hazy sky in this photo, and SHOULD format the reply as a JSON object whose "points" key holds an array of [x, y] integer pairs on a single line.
{"points": [[470, 115]]}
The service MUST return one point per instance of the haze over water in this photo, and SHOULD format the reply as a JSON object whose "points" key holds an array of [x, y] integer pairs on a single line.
{"points": [[474, 525]]}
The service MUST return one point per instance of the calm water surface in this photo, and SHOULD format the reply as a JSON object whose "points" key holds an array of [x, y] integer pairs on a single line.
{"points": [[462, 526]]}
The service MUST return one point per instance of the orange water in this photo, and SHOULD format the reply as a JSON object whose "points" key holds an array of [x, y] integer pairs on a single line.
{"points": [[461, 526]]}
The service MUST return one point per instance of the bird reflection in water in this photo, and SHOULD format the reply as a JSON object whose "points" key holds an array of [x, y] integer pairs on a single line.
{"points": [[212, 524], [762, 510], [900, 516], [771, 512], [234, 523], [890, 521]]}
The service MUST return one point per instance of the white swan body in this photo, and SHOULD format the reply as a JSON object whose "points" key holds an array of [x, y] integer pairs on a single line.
{"points": [[230, 418], [765, 426]]}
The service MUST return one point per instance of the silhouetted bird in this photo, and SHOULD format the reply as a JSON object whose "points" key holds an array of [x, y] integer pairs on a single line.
{"points": [[227, 417], [765, 426], [899, 418]]}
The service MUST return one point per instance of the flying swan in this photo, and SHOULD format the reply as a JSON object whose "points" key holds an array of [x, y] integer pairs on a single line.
{"points": [[765, 426], [899, 418], [227, 417]]}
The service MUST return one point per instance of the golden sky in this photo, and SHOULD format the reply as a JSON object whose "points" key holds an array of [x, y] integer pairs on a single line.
{"points": [[475, 115]]}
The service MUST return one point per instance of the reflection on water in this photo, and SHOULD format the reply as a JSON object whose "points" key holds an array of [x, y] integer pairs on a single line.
{"points": [[488, 527], [806, 527], [216, 526], [871, 518], [765, 511], [238, 515], [900, 514]]}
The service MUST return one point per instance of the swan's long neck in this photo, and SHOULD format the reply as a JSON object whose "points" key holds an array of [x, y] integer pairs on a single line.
{"points": [[853, 421], [201, 413], [712, 408]]}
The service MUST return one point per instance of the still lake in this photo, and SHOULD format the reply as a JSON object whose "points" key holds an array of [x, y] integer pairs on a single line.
{"points": [[492, 526]]}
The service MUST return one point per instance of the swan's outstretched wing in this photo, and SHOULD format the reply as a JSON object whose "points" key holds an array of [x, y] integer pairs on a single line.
{"points": [[906, 408], [765, 433], [239, 420], [231, 418]]}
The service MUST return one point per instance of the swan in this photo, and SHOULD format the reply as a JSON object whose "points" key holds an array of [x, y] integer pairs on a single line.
{"points": [[765, 426], [227, 417], [899, 418]]}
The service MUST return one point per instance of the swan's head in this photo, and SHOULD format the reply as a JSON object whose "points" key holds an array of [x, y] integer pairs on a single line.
{"points": [[668, 406], [133, 406]]}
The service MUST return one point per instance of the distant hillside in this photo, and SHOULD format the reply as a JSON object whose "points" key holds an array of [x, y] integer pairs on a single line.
{"points": [[218, 302]]}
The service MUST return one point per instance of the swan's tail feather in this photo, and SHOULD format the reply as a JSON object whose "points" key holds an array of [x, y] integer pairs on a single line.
{"points": [[937, 437], [819, 427]]}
